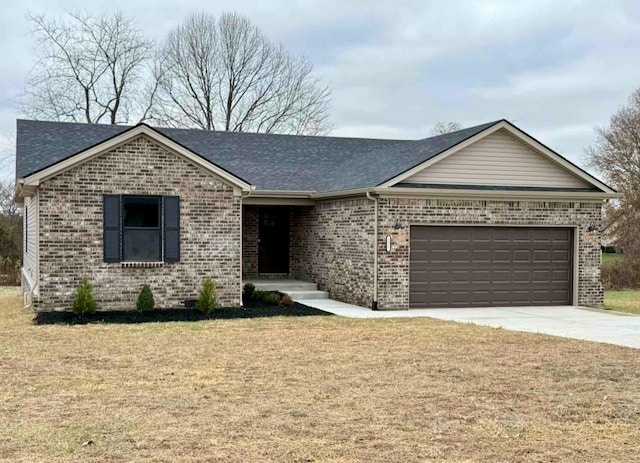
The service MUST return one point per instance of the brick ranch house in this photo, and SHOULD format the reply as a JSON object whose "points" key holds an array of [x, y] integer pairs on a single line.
{"points": [[485, 216]]}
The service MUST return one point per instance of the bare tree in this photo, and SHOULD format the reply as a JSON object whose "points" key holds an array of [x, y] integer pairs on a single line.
{"points": [[10, 221], [442, 128], [7, 155], [224, 74], [616, 156], [8, 204], [90, 69]]}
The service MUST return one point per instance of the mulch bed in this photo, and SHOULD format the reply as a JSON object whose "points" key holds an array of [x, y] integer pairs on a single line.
{"points": [[254, 310]]}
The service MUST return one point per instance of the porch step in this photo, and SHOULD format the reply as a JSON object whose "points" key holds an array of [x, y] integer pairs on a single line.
{"points": [[300, 295], [284, 286]]}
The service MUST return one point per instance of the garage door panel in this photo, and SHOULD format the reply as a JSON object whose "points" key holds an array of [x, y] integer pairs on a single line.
{"points": [[481, 256], [560, 276], [522, 255], [541, 276], [501, 256], [520, 235], [542, 255], [462, 256], [437, 255], [500, 234], [561, 255], [490, 266], [521, 276], [481, 235]]}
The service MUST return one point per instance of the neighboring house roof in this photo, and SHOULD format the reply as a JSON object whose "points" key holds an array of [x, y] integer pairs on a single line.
{"points": [[267, 161]]}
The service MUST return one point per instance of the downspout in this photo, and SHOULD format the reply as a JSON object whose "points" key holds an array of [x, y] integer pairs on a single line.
{"points": [[374, 303], [242, 197]]}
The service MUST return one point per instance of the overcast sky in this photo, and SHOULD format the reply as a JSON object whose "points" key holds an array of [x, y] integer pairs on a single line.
{"points": [[557, 69]]}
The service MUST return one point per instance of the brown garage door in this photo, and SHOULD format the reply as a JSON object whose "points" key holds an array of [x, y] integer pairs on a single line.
{"points": [[455, 266]]}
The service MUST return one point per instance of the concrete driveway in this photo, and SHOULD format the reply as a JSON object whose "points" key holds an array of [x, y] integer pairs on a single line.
{"points": [[567, 322]]}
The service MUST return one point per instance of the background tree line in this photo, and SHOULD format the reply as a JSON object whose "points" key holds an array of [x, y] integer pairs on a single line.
{"points": [[10, 235], [615, 155], [211, 73]]}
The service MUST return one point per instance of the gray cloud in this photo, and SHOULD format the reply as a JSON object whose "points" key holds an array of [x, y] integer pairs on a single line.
{"points": [[556, 69]]}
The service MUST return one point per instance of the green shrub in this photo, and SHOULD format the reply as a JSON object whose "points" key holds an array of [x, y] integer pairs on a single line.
{"points": [[248, 291], [286, 301], [145, 300], [271, 298], [207, 298], [84, 302]]}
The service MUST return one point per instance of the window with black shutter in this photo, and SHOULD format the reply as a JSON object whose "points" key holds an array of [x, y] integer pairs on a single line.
{"points": [[141, 228]]}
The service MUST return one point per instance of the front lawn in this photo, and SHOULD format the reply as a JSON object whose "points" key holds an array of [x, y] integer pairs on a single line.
{"points": [[610, 257], [310, 389], [622, 301]]}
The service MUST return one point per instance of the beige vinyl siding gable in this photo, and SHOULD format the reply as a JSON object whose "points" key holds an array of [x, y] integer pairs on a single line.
{"points": [[30, 240], [499, 159]]}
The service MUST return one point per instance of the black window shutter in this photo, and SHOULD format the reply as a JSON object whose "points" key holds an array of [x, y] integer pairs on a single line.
{"points": [[111, 228], [171, 228]]}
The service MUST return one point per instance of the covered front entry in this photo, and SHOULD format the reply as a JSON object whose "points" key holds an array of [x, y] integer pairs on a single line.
{"points": [[484, 266], [273, 240]]}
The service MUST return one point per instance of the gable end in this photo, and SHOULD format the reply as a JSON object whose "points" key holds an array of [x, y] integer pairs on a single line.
{"points": [[118, 140], [500, 159]]}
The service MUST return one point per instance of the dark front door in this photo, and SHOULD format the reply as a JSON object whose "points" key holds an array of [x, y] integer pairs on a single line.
{"points": [[273, 234]]}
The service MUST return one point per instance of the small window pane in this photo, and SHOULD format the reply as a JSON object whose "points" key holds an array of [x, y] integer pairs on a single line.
{"points": [[141, 245], [141, 228], [141, 212]]}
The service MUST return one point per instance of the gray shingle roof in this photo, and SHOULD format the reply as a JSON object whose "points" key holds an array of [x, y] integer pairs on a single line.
{"points": [[270, 162]]}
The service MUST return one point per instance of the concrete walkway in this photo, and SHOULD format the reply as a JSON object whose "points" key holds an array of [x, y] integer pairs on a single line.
{"points": [[566, 321]]}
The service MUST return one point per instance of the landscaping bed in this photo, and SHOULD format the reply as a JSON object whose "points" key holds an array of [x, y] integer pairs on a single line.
{"points": [[251, 310]]}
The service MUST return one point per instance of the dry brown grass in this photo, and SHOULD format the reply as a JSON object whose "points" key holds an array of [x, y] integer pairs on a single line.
{"points": [[314, 389]]}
